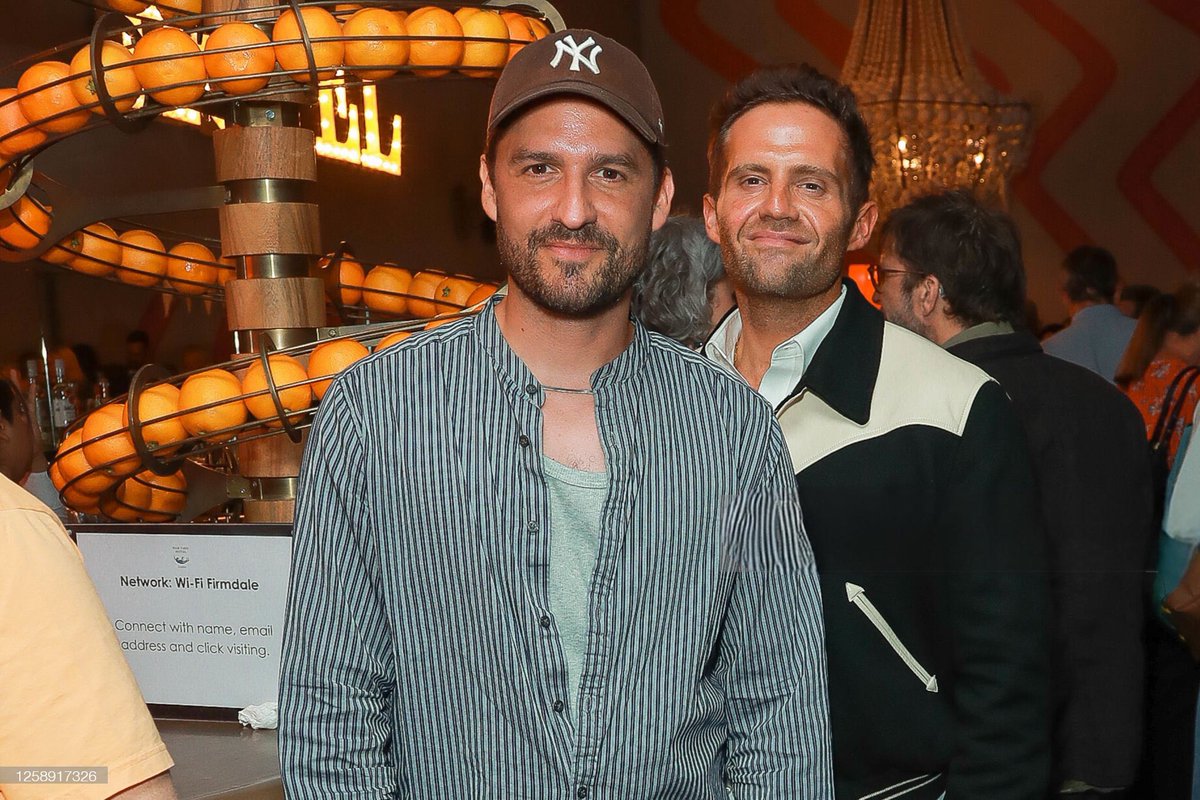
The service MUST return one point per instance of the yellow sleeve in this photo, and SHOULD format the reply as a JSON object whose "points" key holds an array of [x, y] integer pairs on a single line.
{"points": [[69, 698]]}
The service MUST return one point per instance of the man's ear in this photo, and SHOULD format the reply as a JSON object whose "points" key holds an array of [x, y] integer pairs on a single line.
{"points": [[487, 196], [663, 200], [864, 225], [710, 218], [928, 294]]}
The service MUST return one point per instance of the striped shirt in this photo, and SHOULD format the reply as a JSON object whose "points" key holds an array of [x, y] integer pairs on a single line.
{"points": [[420, 658]]}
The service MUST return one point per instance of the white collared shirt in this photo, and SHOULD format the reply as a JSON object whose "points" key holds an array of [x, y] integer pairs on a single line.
{"points": [[789, 359]]}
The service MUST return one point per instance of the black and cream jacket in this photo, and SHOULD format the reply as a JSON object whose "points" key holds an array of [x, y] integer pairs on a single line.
{"points": [[920, 504]]}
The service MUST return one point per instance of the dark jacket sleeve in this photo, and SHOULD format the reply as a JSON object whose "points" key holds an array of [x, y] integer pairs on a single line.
{"points": [[1000, 614]]}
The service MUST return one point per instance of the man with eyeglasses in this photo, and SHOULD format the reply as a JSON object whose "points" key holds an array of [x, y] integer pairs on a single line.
{"points": [[913, 474]]}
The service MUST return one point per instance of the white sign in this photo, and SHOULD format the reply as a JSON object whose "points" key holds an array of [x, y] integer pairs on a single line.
{"points": [[199, 617]]}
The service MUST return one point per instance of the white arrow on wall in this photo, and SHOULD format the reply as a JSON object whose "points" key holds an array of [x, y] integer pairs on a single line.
{"points": [[858, 595]]}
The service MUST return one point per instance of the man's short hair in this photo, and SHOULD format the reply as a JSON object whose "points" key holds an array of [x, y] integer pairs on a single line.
{"points": [[1091, 275], [793, 83], [973, 251], [673, 293]]}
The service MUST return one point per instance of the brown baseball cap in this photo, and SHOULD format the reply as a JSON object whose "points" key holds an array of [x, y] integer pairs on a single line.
{"points": [[583, 63]]}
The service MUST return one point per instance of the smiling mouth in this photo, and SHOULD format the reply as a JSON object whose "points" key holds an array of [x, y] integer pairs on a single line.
{"points": [[571, 250], [778, 238]]}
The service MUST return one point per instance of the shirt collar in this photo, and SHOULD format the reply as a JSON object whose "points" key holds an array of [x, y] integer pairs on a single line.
{"points": [[978, 332], [513, 371], [722, 344]]}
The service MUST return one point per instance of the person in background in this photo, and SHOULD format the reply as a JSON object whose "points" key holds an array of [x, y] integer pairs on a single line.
{"points": [[68, 696], [35, 479], [1133, 298], [1099, 332], [960, 282], [683, 292], [1166, 342], [933, 578], [137, 355]]}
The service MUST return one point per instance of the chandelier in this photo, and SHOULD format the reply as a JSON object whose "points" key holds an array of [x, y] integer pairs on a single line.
{"points": [[935, 124]]}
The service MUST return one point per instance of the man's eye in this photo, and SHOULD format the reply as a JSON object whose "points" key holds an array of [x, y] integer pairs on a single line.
{"points": [[538, 169], [610, 174], [753, 180], [812, 186]]}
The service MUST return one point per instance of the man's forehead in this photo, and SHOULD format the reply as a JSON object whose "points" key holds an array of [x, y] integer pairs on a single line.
{"points": [[570, 122], [787, 126]]}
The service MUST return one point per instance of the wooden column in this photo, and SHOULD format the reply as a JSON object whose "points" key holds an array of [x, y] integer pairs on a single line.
{"points": [[270, 227]]}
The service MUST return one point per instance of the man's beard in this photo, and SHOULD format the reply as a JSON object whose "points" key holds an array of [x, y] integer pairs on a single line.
{"points": [[566, 287], [904, 316], [808, 275]]}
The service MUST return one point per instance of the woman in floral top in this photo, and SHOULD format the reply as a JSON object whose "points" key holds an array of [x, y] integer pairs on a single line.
{"points": [[1166, 341]]}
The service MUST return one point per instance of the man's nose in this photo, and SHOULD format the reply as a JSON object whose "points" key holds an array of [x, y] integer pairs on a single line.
{"points": [[576, 206]]}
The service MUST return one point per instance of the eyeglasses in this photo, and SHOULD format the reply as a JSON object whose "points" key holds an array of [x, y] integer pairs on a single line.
{"points": [[875, 273]]}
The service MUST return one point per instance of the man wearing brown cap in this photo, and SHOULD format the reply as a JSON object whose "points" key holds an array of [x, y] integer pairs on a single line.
{"points": [[541, 552]]}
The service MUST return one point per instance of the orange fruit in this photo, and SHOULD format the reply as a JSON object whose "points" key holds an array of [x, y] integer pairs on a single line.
{"points": [[122, 84], [540, 29], [191, 268], [321, 26], [179, 8], [424, 285], [143, 262], [212, 386], [99, 250], [253, 55], [376, 51], [519, 30], [434, 21], [285, 370], [350, 278], [453, 293], [56, 477], [434, 323], [330, 358], [384, 289], [107, 443], [391, 339], [54, 97], [486, 58], [24, 223], [79, 501], [74, 466], [185, 66], [155, 406], [482, 292], [13, 119], [65, 250], [128, 6], [151, 497]]}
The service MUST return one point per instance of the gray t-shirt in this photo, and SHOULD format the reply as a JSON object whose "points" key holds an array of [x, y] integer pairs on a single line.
{"points": [[576, 503]]}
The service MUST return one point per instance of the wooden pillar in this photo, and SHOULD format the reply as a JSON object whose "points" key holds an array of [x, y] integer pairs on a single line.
{"points": [[270, 227]]}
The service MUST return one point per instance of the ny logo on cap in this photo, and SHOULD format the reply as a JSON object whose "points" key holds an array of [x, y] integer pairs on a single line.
{"points": [[567, 46]]}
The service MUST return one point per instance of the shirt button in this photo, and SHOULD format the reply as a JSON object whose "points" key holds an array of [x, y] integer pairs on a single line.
{"points": [[523, 440], [544, 621], [532, 525], [531, 389], [558, 706], [581, 792]]}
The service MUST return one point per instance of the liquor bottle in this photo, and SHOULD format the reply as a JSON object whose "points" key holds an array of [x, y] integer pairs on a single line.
{"points": [[63, 402], [102, 394], [39, 406]]}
